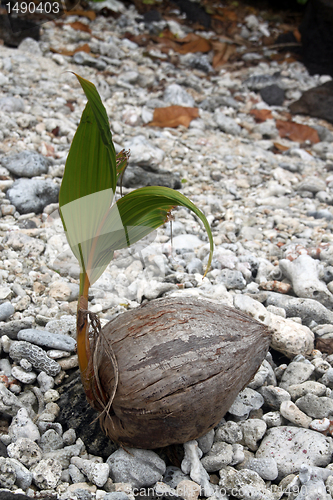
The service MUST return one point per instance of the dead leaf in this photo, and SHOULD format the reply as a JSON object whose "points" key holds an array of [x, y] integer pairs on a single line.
{"points": [[222, 53], [324, 345], [261, 115], [297, 132], [65, 52], [190, 44], [78, 26], [172, 116], [280, 147], [90, 14]]}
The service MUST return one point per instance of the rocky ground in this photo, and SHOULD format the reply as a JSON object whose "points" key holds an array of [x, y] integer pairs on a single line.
{"points": [[268, 196]]}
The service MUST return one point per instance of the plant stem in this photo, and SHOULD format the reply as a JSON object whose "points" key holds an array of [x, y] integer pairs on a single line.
{"points": [[82, 325]]}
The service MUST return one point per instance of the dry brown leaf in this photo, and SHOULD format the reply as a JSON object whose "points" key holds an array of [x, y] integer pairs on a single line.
{"points": [[90, 14], [64, 52], [297, 132], [324, 345], [191, 43], [172, 116], [222, 53], [261, 115], [280, 147], [78, 26]]}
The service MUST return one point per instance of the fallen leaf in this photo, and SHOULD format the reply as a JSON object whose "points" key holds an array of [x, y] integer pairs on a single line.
{"points": [[78, 26], [90, 14], [172, 116], [190, 44], [324, 345], [280, 147], [65, 52], [222, 53], [261, 115], [297, 132]]}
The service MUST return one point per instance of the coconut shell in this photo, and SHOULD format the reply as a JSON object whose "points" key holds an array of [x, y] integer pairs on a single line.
{"points": [[181, 364]]}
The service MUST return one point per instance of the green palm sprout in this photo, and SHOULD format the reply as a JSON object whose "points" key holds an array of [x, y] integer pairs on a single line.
{"points": [[95, 225]]}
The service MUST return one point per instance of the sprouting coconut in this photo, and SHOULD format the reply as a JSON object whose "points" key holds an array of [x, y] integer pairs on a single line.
{"points": [[168, 371]]}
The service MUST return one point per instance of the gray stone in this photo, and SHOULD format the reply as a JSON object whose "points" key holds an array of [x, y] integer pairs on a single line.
{"points": [[231, 279], [66, 325], [24, 376], [253, 430], [10, 104], [272, 94], [139, 467], [244, 484], [46, 339], [175, 94], [64, 455], [293, 446], [25, 451], [221, 454], [23, 475], [116, 495], [246, 401], [315, 406], [46, 474], [32, 195], [35, 355], [23, 427], [291, 412], [296, 391], [312, 184], [195, 266], [205, 442], [26, 163], [303, 273], [227, 124], [144, 153], [307, 309], [12, 328], [265, 467], [274, 396], [51, 441], [6, 310], [85, 59], [173, 476], [229, 432], [135, 176], [9, 403], [24, 243], [96, 472], [75, 474], [7, 473], [31, 46], [296, 373]]}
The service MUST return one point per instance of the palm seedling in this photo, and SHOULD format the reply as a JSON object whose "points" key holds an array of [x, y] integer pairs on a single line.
{"points": [[168, 371]]}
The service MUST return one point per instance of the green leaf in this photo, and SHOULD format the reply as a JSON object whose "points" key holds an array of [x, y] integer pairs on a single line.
{"points": [[90, 176], [134, 216], [94, 227]]}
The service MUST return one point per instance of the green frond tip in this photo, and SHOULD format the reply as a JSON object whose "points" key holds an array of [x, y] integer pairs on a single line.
{"points": [[96, 226]]}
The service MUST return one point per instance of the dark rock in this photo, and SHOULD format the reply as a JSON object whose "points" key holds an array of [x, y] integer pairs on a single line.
{"points": [[8, 495], [317, 37], [317, 102], [13, 32], [194, 12], [26, 164], [32, 195], [3, 452], [76, 413], [137, 176], [273, 95], [151, 16]]}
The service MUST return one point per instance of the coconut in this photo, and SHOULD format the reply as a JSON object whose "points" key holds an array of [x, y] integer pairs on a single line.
{"points": [[168, 371]]}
